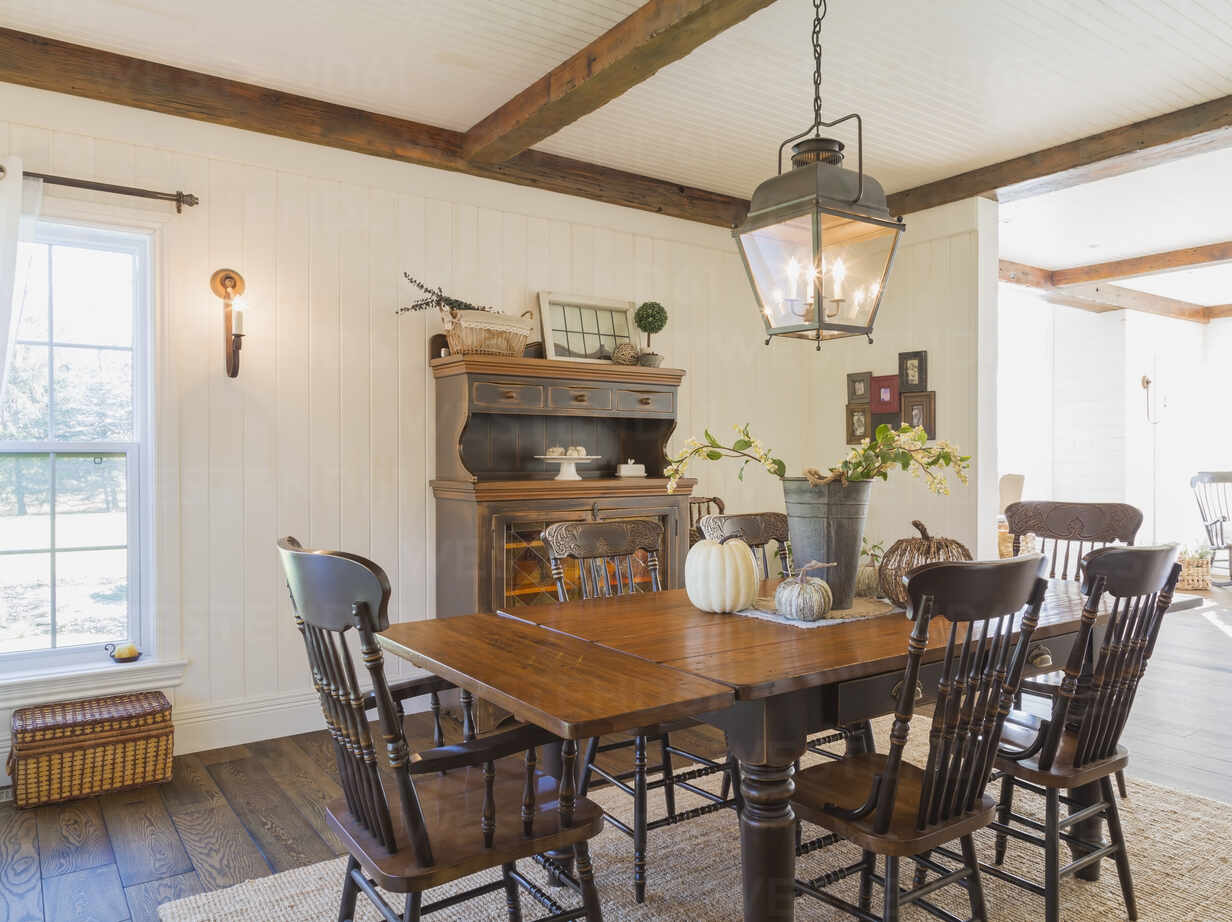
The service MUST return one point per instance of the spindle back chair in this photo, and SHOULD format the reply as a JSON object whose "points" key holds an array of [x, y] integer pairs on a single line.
{"points": [[1080, 743], [699, 508], [987, 612], [604, 553], [1213, 491], [1073, 529], [381, 817], [757, 530]]}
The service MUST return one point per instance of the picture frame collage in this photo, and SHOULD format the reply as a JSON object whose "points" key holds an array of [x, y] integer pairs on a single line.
{"points": [[893, 399]]}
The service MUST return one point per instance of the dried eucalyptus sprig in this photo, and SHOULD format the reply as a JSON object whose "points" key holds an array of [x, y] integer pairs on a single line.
{"points": [[436, 299]]}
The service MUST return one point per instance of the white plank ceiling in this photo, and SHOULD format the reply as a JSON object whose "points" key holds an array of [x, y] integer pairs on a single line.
{"points": [[942, 87]]}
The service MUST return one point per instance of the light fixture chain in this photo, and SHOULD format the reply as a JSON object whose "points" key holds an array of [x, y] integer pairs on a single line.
{"points": [[819, 13]]}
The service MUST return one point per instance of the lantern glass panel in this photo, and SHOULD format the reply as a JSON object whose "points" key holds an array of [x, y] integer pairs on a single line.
{"points": [[780, 261], [854, 258]]}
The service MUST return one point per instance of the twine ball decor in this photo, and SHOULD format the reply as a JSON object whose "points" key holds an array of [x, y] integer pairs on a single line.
{"points": [[625, 354], [908, 553]]}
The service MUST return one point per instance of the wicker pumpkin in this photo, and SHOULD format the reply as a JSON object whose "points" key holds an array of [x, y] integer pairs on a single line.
{"points": [[908, 553], [804, 598], [868, 582]]}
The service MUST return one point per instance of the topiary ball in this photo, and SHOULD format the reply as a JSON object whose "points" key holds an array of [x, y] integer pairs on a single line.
{"points": [[650, 317]]}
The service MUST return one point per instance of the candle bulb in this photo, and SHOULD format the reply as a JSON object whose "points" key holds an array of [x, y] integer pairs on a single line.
{"points": [[793, 276], [839, 273], [238, 306]]}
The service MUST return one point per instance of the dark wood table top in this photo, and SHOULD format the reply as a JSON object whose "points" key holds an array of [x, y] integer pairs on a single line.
{"points": [[758, 658], [567, 685]]}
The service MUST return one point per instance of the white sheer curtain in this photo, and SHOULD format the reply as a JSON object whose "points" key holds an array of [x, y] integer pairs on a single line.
{"points": [[20, 200]]}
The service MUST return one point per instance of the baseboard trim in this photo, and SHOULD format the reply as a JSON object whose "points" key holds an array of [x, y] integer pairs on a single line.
{"points": [[245, 720]]}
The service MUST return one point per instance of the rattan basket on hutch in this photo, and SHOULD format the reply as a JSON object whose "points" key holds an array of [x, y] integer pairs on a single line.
{"points": [[81, 748]]}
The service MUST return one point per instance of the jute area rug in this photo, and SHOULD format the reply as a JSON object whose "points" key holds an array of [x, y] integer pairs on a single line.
{"points": [[1179, 851]]}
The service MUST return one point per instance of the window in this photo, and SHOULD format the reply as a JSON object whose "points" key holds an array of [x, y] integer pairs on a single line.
{"points": [[73, 423]]}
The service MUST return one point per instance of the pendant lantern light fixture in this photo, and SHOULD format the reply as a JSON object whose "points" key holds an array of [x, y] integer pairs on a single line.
{"points": [[818, 241]]}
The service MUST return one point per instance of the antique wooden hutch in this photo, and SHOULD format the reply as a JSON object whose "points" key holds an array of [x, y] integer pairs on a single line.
{"points": [[493, 498]]}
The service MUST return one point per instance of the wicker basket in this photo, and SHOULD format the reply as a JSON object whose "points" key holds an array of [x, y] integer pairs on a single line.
{"points": [[486, 332], [1195, 573], [82, 748]]}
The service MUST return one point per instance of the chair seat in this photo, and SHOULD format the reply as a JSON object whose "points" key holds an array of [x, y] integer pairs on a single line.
{"points": [[1020, 732], [847, 783], [452, 805]]}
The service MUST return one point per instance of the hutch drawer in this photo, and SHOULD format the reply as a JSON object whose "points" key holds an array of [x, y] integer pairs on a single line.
{"points": [[579, 396], [645, 401], [507, 395]]}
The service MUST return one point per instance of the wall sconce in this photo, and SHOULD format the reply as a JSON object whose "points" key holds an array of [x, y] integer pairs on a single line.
{"points": [[229, 285]]}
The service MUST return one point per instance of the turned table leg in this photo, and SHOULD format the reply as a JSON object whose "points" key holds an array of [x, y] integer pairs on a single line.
{"points": [[768, 841]]}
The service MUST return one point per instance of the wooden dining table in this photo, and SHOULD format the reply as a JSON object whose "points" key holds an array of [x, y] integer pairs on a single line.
{"points": [[591, 667]]}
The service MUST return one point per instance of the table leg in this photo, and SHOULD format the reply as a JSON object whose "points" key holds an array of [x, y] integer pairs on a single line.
{"points": [[768, 841], [1090, 830], [860, 739]]}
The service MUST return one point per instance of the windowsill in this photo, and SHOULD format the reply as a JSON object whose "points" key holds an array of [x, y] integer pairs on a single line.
{"points": [[66, 682]]}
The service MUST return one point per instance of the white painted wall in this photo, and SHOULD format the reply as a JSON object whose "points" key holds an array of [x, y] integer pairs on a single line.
{"points": [[327, 432]]}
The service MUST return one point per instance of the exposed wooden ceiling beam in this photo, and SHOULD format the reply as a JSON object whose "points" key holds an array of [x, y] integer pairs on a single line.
{"points": [[1207, 126], [1218, 311], [1144, 265], [48, 64], [1099, 297], [650, 38]]}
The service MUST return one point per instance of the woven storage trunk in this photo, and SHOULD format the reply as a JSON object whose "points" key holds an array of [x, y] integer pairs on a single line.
{"points": [[82, 748]]}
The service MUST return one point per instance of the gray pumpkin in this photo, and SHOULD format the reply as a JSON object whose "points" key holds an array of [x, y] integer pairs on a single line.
{"points": [[804, 598]]}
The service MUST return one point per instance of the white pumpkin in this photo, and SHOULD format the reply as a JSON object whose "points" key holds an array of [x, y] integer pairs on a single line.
{"points": [[804, 598], [721, 576]]}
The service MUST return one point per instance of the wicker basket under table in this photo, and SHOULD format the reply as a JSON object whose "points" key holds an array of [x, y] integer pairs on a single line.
{"points": [[81, 748]]}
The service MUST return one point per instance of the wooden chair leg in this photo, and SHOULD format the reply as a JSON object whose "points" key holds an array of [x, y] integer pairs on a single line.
{"points": [[1117, 836], [1004, 807], [866, 880], [669, 784], [592, 750], [1120, 775], [733, 775], [891, 889], [921, 872], [586, 878], [513, 900], [975, 885], [414, 902], [1052, 856], [350, 890], [639, 819]]}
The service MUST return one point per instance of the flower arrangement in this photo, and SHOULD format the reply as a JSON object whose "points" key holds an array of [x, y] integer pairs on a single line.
{"points": [[905, 448]]}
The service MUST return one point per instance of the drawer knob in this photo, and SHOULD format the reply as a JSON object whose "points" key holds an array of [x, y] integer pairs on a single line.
{"points": [[579, 398], [898, 690], [644, 401], [1040, 657], [510, 395]]}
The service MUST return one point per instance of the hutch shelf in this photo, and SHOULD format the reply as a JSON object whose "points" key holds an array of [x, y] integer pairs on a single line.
{"points": [[494, 498]]}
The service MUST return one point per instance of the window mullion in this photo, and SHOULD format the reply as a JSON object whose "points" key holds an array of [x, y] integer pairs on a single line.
{"points": [[51, 509]]}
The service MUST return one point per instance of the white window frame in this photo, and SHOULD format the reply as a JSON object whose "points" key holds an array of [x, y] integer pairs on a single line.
{"points": [[138, 452]]}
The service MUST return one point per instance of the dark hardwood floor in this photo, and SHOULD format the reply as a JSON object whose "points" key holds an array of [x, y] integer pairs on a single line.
{"points": [[247, 811]]}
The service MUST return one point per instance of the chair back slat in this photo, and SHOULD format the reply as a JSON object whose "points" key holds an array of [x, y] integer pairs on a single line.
{"points": [[757, 530], [1213, 492], [699, 507], [980, 674], [1071, 527], [604, 552], [1139, 581]]}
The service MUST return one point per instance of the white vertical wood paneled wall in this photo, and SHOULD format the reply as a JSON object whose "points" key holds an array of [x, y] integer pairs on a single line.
{"points": [[327, 433]]}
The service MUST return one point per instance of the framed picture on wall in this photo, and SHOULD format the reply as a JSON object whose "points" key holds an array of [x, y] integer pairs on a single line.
{"points": [[859, 423], [884, 394], [921, 410], [581, 328], [913, 372], [859, 386]]}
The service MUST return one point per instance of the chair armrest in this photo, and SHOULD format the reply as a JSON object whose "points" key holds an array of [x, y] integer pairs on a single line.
{"points": [[1027, 731], [485, 749], [411, 688]]}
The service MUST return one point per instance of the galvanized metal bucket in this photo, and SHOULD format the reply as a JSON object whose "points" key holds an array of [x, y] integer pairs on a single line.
{"points": [[826, 523]]}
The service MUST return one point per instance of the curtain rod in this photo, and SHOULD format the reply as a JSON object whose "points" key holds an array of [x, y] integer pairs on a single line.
{"points": [[181, 199]]}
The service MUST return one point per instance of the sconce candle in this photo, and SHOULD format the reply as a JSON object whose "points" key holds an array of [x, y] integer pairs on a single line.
{"points": [[229, 285]]}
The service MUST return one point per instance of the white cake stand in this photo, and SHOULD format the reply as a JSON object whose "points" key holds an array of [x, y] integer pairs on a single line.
{"points": [[568, 464]]}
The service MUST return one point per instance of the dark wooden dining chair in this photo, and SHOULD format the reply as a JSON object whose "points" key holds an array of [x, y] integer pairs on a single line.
{"points": [[1079, 744], [699, 508], [604, 553], [757, 530], [1073, 528], [441, 814], [1213, 491], [890, 807]]}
